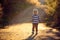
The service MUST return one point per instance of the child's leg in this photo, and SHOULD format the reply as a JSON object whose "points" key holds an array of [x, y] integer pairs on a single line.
{"points": [[36, 28], [33, 28]]}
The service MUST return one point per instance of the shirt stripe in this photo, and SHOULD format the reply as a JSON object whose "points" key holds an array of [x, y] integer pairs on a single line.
{"points": [[35, 19]]}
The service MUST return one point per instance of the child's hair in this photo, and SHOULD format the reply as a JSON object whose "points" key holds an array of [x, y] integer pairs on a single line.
{"points": [[35, 10]]}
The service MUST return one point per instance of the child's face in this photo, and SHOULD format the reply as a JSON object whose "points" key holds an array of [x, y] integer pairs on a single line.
{"points": [[35, 12]]}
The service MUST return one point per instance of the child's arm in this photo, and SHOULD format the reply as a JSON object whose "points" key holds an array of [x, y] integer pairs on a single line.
{"points": [[32, 18], [39, 19]]}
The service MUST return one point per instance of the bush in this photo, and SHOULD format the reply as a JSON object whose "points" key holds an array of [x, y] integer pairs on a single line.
{"points": [[51, 11], [52, 5]]}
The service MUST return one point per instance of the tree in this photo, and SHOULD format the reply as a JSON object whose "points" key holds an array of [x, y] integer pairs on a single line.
{"points": [[57, 13]]}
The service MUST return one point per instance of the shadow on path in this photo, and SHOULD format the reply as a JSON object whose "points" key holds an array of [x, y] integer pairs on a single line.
{"points": [[56, 36], [31, 37]]}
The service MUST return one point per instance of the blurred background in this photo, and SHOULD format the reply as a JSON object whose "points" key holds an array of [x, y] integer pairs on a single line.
{"points": [[10, 8], [16, 19]]}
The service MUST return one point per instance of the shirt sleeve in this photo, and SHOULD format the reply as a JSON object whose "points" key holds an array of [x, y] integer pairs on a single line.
{"points": [[39, 18]]}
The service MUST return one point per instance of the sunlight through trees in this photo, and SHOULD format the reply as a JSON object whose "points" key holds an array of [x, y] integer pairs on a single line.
{"points": [[52, 5]]}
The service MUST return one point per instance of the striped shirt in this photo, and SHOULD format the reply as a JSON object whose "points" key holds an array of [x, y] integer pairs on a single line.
{"points": [[35, 19]]}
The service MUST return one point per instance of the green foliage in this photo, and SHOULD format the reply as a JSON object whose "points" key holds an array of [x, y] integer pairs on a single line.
{"points": [[17, 6], [52, 5]]}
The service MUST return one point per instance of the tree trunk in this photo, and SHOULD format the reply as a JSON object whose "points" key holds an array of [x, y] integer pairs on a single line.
{"points": [[57, 16]]}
